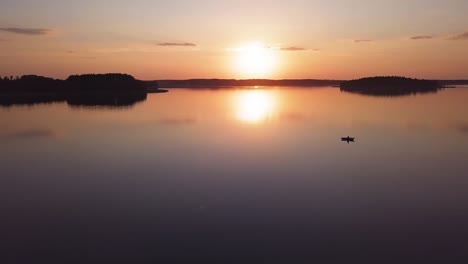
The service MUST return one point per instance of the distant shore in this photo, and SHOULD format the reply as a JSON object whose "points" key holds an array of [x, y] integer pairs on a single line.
{"points": [[115, 89], [125, 82], [227, 83]]}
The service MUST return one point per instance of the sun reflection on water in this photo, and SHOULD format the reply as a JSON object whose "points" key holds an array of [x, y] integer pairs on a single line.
{"points": [[255, 106]]}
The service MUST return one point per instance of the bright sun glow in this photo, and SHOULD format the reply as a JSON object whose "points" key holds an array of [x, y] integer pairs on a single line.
{"points": [[255, 106], [255, 60]]}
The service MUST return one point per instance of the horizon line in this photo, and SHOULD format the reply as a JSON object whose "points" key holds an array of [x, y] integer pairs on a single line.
{"points": [[247, 79]]}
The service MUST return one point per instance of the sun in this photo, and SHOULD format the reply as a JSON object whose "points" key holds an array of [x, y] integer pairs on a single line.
{"points": [[255, 60]]}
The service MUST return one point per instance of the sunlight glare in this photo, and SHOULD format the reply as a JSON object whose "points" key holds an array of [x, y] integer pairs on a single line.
{"points": [[255, 60], [255, 106]]}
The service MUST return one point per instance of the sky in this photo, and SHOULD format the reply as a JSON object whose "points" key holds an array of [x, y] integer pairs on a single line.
{"points": [[180, 39]]}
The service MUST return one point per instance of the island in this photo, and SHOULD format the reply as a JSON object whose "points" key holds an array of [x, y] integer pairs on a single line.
{"points": [[391, 86], [107, 90]]}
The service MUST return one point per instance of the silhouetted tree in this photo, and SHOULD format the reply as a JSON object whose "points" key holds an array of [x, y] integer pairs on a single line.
{"points": [[110, 81], [78, 83]]}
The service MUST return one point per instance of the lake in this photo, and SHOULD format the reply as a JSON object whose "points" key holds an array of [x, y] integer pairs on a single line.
{"points": [[245, 175]]}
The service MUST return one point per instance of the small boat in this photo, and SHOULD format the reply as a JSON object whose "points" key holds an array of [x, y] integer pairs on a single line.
{"points": [[347, 139]]}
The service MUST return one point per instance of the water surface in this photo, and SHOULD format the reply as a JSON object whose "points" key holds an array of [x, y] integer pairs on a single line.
{"points": [[236, 176]]}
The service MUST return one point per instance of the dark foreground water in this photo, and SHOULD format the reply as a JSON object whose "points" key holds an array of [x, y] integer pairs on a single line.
{"points": [[237, 176]]}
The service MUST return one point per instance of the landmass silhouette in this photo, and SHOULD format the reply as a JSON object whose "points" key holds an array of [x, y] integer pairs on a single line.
{"points": [[117, 89], [220, 83], [391, 86], [85, 82], [226, 83], [88, 90]]}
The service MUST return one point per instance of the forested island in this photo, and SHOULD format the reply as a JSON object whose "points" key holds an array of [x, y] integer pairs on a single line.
{"points": [[390, 86], [85, 82], [77, 90]]}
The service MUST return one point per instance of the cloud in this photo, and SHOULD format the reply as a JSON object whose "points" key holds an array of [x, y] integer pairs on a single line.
{"points": [[293, 49], [177, 44], [362, 40], [421, 37], [462, 36], [27, 31]]}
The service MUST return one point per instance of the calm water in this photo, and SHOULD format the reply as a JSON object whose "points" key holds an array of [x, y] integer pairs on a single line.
{"points": [[237, 176]]}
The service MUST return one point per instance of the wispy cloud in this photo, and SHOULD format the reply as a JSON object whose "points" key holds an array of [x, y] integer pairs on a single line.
{"points": [[124, 49], [362, 40], [420, 37], [462, 36], [293, 48], [177, 44], [27, 31]]}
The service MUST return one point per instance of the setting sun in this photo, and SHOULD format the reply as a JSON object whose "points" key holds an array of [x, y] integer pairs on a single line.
{"points": [[255, 60]]}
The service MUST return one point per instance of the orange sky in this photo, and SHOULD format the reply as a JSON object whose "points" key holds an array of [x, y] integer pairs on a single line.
{"points": [[211, 39]]}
